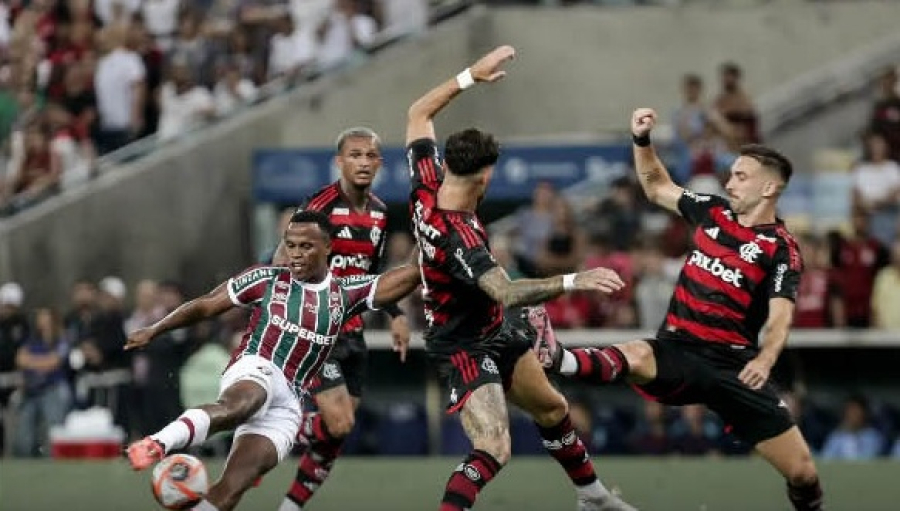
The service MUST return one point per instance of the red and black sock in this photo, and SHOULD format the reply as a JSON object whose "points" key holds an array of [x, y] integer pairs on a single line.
{"points": [[808, 497], [562, 442], [469, 478], [600, 365], [315, 465]]}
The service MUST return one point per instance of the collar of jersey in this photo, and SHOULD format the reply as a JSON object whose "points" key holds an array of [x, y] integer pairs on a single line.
{"points": [[314, 287]]}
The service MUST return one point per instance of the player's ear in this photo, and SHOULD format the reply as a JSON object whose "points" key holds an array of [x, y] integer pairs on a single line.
{"points": [[771, 188]]}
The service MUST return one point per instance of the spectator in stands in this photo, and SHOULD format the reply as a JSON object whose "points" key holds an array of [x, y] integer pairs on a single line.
{"points": [[79, 100], [859, 258], [886, 294], [161, 20], [876, 188], [651, 433], [618, 309], [885, 118], [736, 106], [563, 249], [14, 331], [73, 155], [695, 433], [533, 226], [855, 438], [344, 32], [572, 310], [183, 104], [111, 12], [292, 50], [501, 248], [156, 367], [232, 90], [818, 300], [153, 59], [619, 216], [654, 286], [35, 173], [46, 396], [120, 87], [78, 47], [701, 135], [193, 48], [239, 53]]}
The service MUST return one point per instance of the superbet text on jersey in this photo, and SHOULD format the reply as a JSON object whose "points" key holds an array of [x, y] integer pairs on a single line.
{"points": [[358, 241], [730, 274]]}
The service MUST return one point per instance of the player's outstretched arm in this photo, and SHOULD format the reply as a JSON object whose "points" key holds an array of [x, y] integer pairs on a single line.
{"points": [[516, 293], [395, 284], [652, 174], [209, 305], [774, 338], [420, 117]]}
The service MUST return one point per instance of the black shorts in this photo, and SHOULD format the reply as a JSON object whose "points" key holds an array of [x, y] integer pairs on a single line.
{"points": [[346, 365], [689, 372], [465, 366]]}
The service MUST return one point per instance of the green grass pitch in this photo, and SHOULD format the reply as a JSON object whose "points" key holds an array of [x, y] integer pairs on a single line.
{"points": [[416, 484]]}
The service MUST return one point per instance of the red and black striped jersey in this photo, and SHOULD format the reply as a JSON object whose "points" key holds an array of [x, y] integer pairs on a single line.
{"points": [[454, 254], [358, 241], [295, 324], [730, 274]]}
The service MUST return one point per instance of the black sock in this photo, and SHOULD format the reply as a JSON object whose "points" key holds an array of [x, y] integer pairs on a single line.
{"points": [[808, 497]]}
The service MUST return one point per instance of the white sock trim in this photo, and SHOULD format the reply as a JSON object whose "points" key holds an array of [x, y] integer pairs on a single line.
{"points": [[204, 505], [569, 364], [289, 505], [595, 489], [180, 434]]}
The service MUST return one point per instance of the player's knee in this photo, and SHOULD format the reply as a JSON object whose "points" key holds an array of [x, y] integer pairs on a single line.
{"points": [[497, 445], [340, 424], [802, 472], [640, 357]]}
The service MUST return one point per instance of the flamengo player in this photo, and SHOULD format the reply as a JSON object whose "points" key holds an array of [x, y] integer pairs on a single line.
{"points": [[741, 278], [298, 312], [357, 248], [476, 350]]}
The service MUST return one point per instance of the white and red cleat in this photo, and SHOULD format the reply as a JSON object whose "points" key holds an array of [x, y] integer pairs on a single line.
{"points": [[145, 452], [545, 346]]}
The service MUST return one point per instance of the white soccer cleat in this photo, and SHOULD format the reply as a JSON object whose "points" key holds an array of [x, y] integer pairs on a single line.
{"points": [[608, 502]]}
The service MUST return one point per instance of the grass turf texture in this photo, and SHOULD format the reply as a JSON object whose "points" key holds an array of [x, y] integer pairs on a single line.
{"points": [[407, 484]]}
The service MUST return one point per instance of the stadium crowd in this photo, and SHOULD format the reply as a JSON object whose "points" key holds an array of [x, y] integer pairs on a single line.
{"points": [[82, 78]]}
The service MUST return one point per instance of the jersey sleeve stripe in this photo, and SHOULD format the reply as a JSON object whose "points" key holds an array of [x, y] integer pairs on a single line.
{"points": [[231, 294], [370, 298], [470, 239], [325, 196]]}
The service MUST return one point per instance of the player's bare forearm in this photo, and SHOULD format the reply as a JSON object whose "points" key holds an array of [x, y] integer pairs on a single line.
{"points": [[420, 117], [655, 179], [520, 292], [207, 306], [395, 284], [776, 330]]}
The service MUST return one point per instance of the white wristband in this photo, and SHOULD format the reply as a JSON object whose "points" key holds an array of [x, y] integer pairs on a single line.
{"points": [[569, 281], [465, 80]]}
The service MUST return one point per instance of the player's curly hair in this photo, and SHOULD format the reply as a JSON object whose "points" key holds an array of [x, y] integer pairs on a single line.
{"points": [[469, 151], [314, 217]]}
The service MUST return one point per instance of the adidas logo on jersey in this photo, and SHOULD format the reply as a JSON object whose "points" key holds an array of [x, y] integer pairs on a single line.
{"points": [[712, 232], [345, 233], [716, 268]]}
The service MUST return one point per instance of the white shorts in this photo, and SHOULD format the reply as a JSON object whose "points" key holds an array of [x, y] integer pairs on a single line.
{"points": [[279, 418]]}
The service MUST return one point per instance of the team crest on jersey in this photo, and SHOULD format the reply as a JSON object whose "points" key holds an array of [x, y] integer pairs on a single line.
{"points": [[310, 308], [375, 235], [336, 308], [750, 251]]}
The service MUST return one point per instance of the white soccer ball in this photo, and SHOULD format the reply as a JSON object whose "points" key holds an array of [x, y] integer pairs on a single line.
{"points": [[179, 481]]}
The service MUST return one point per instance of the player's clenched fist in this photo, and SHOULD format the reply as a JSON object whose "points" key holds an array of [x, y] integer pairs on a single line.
{"points": [[487, 69], [598, 279], [643, 120]]}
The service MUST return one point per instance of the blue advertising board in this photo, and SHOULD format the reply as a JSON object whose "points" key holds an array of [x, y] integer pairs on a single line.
{"points": [[286, 176]]}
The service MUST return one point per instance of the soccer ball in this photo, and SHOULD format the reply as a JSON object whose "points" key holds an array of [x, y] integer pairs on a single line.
{"points": [[179, 481]]}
